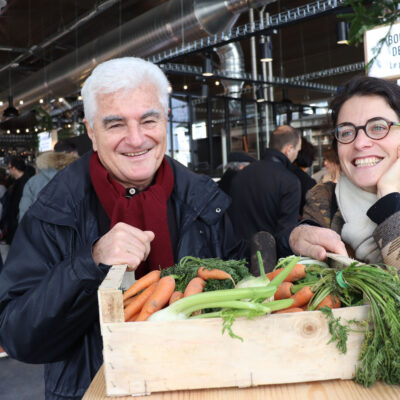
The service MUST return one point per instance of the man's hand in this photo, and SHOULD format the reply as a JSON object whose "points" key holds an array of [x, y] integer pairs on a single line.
{"points": [[314, 242], [123, 244], [389, 182]]}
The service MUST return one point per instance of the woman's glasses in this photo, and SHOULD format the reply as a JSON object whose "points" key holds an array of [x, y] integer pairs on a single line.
{"points": [[375, 128]]}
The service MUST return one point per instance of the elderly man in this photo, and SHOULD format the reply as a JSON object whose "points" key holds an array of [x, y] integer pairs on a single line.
{"points": [[124, 203]]}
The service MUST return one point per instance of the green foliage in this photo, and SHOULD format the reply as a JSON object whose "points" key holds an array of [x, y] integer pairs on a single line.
{"points": [[186, 269], [367, 15]]}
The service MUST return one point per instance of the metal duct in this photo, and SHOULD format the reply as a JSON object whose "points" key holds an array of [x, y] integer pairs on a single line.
{"points": [[232, 63], [164, 26]]}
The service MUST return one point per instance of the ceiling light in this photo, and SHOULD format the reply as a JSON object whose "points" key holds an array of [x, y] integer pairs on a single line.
{"points": [[185, 87], [1, 103], [266, 50], [17, 130], [21, 102], [342, 32], [41, 101], [80, 98], [10, 111], [27, 130], [207, 67], [217, 83], [60, 99]]}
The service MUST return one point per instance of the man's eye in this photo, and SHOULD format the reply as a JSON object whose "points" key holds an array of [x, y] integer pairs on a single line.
{"points": [[113, 126], [149, 122]]}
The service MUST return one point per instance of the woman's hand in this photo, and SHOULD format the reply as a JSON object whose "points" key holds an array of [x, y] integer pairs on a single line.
{"points": [[390, 180], [314, 242]]}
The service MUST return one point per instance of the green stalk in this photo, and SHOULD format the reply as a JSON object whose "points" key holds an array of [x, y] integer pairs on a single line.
{"points": [[236, 304], [260, 263], [181, 308]]}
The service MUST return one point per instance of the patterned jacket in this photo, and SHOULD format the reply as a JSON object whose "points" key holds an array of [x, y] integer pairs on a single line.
{"points": [[322, 208]]}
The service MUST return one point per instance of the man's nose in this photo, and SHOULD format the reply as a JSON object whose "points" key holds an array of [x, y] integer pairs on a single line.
{"points": [[134, 136]]}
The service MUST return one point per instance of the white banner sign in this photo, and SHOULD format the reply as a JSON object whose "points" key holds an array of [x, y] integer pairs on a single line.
{"points": [[387, 64]]}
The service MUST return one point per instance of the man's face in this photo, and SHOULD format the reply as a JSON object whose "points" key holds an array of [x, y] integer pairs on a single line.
{"points": [[13, 171], [130, 134], [294, 151]]}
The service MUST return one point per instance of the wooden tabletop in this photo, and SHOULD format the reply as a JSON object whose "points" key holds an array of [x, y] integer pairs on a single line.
{"points": [[322, 390]]}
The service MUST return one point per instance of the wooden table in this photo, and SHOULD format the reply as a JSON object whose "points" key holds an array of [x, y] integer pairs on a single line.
{"points": [[322, 390]]}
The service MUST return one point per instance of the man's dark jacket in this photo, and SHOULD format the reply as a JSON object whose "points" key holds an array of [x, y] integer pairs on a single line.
{"points": [[265, 196], [48, 286]]}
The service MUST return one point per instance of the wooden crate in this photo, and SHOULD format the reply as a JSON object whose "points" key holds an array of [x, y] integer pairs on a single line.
{"points": [[145, 357]]}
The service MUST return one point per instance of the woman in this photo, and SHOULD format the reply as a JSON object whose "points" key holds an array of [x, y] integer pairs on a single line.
{"points": [[361, 212]]}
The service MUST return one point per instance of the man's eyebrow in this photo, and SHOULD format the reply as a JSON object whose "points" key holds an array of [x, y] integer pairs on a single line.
{"points": [[112, 118], [151, 113]]}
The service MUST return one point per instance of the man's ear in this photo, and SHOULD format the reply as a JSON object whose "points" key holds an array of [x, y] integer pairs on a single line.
{"points": [[286, 150], [90, 133]]}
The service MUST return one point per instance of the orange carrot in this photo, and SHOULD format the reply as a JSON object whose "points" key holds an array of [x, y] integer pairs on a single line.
{"points": [[196, 285], [302, 297], [329, 301], [177, 295], [289, 310], [206, 274], [283, 291], [142, 283], [298, 272], [138, 301], [159, 298], [134, 317], [129, 301]]}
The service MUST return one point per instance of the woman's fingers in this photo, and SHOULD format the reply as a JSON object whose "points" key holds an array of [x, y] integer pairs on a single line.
{"points": [[313, 241]]}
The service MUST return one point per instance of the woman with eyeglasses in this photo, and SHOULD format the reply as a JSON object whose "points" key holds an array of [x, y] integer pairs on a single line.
{"points": [[358, 216]]}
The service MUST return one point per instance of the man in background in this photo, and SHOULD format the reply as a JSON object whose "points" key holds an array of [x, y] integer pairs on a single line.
{"points": [[237, 160], [9, 221], [266, 195]]}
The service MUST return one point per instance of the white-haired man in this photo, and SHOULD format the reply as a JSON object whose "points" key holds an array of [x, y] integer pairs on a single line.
{"points": [[124, 203]]}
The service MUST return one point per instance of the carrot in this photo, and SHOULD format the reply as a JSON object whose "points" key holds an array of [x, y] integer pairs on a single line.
{"points": [[177, 295], [298, 272], [196, 285], [206, 274], [329, 301], [302, 297], [159, 298], [142, 283], [129, 301], [283, 291], [134, 317], [289, 310], [138, 301]]}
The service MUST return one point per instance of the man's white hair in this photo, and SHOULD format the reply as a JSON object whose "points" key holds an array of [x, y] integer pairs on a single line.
{"points": [[126, 73]]}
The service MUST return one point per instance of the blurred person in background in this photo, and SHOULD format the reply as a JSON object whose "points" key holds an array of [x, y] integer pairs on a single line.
{"points": [[9, 221], [47, 164], [237, 160], [301, 168], [266, 195]]}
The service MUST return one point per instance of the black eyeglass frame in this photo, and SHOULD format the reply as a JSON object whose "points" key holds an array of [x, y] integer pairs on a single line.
{"points": [[364, 128]]}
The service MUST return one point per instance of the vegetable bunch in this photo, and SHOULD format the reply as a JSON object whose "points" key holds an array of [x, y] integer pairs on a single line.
{"points": [[190, 276]]}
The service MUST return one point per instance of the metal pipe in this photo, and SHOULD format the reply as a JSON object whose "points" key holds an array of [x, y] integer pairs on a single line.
{"points": [[157, 29]]}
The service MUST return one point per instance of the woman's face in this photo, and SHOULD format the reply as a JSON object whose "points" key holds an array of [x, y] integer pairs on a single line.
{"points": [[365, 160]]}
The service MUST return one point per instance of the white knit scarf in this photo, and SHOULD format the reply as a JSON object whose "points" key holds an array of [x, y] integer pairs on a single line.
{"points": [[357, 230]]}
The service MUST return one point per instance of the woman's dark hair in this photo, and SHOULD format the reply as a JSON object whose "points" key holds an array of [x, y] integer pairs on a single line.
{"points": [[361, 85], [306, 155]]}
